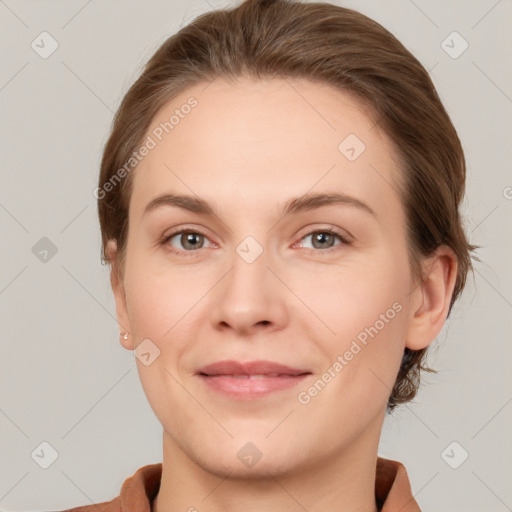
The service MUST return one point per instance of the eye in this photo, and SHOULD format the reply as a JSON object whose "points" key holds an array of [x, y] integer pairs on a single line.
{"points": [[184, 240], [325, 239], [190, 241]]}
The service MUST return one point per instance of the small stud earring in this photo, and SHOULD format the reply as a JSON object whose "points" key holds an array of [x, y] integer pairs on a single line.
{"points": [[123, 335]]}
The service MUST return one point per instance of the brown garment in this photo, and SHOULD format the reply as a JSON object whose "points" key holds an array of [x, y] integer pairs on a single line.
{"points": [[392, 490]]}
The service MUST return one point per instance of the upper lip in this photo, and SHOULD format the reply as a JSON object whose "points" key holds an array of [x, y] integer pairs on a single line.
{"points": [[249, 368]]}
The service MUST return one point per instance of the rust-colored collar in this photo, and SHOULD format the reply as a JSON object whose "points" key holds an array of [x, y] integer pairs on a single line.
{"points": [[392, 490]]}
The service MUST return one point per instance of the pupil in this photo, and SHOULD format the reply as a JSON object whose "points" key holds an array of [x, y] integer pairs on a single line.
{"points": [[191, 239], [321, 237]]}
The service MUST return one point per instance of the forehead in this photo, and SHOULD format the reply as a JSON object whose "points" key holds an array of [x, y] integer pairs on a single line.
{"points": [[266, 140]]}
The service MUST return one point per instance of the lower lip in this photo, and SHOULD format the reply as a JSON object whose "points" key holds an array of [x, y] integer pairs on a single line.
{"points": [[247, 389]]}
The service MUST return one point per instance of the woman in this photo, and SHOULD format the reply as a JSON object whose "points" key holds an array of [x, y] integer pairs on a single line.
{"points": [[279, 203]]}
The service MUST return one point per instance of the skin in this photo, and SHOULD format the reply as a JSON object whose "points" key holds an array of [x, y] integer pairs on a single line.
{"points": [[247, 148]]}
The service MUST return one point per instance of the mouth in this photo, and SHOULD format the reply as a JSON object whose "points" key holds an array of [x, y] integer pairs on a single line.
{"points": [[250, 380]]}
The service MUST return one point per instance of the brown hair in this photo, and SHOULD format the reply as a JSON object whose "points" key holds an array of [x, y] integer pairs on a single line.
{"points": [[316, 41]]}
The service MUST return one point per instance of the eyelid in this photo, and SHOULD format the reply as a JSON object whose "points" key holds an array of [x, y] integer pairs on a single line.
{"points": [[180, 230], [344, 237], [328, 228]]}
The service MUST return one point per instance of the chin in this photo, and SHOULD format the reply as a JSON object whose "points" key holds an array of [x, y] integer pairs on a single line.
{"points": [[245, 457], [231, 467]]}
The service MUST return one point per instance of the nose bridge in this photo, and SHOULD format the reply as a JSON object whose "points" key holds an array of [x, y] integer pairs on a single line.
{"points": [[247, 281], [247, 298]]}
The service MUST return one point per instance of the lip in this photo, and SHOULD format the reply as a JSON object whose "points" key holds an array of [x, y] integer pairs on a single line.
{"points": [[250, 380]]}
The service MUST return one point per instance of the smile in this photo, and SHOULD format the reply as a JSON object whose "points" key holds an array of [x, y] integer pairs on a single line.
{"points": [[250, 380]]}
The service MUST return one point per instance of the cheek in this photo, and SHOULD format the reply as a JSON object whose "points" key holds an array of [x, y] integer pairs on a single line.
{"points": [[358, 319], [161, 309], [345, 300], [159, 300]]}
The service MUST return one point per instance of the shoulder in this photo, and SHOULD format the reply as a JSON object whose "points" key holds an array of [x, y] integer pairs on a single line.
{"points": [[137, 492], [392, 487], [107, 506]]}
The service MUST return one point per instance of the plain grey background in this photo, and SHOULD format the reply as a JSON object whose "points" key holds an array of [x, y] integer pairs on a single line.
{"points": [[64, 377]]}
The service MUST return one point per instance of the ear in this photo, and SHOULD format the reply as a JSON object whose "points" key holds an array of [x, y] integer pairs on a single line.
{"points": [[116, 281], [431, 299]]}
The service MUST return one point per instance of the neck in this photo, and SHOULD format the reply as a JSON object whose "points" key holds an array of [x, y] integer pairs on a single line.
{"points": [[344, 483]]}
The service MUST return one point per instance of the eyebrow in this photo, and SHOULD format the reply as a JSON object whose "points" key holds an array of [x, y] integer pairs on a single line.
{"points": [[298, 204]]}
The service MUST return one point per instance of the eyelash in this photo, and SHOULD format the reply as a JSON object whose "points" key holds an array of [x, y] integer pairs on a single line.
{"points": [[336, 234]]}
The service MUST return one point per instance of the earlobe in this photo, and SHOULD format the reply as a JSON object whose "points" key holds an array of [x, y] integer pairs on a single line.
{"points": [[435, 293], [118, 290]]}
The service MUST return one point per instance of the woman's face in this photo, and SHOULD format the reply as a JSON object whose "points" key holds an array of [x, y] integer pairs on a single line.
{"points": [[323, 287]]}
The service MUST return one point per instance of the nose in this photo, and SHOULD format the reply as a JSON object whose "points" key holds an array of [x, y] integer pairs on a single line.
{"points": [[250, 298]]}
